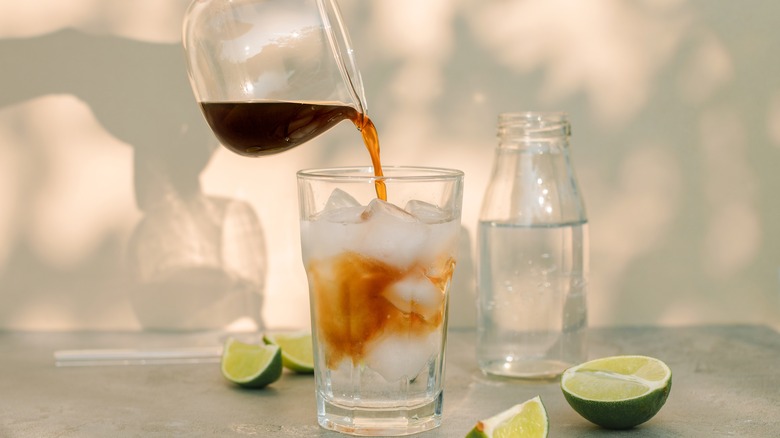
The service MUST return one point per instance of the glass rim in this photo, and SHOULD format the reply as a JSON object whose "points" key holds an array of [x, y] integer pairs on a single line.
{"points": [[391, 173]]}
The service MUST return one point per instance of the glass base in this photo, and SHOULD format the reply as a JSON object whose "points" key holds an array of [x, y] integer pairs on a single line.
{"points": [[380, 421], [532, 369]]}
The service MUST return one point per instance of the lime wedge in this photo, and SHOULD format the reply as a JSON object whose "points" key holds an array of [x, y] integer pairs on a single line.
{"points": [[297, 351], [618, 392], [251, 365], [526, 420]]}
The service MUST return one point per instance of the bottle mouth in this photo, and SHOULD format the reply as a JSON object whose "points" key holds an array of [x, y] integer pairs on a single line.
{"points": [[534, 124]]}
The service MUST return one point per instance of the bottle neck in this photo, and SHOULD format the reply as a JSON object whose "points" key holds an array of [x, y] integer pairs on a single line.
{"points": [[535, 131], [533, 181]]}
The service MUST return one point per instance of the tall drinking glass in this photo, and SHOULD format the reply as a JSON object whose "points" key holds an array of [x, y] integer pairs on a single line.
{"points": [[379, 274]]}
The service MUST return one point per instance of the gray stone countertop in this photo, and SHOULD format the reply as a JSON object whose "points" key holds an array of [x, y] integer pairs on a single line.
{"points": [[726, 383]]}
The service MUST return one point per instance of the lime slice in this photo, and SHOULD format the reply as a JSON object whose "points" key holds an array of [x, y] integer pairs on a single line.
{"points": [[617, 392], [526, 420], [251, 365], [297, 352]]}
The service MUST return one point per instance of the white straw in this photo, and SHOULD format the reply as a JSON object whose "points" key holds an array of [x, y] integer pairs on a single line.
{"points": [[72, 358]]}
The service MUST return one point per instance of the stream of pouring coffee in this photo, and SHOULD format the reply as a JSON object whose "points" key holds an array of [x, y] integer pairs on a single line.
{"points": [[256, 128]]}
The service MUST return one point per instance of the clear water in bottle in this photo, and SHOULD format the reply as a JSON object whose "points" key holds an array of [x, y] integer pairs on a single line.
{"points": [[532, 300]]}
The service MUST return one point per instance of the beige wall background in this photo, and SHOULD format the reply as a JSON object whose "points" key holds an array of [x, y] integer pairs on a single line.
{"points": [[675, 106]]}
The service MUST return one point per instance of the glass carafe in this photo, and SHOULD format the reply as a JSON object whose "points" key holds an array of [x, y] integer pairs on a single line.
{"points": [[270, 75]]}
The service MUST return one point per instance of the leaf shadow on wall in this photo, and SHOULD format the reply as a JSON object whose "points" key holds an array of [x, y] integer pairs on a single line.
{"points": [[194, 261]]}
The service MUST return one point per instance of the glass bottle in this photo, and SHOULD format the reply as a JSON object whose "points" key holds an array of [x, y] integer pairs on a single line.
{"points": [[533, 253]]}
